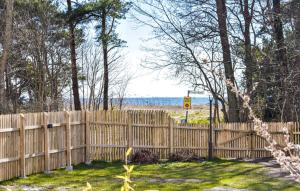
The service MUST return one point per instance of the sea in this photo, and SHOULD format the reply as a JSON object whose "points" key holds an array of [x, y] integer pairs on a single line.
{"points": [[162, 101]]}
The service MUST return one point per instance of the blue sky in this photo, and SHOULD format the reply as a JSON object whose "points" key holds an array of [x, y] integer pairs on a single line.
{"points": [[146, 83]]}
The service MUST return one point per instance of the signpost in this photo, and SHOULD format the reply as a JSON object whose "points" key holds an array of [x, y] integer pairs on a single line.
{"points": [[187, 103]]}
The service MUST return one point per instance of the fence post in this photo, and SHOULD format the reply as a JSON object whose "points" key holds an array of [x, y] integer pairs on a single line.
{"points": [[87, 138], [46, 143], [129, 132], [210, 143], [252, 134], [22, 147], [291, 127], [171, 125], [68, 141], [295, 133]]}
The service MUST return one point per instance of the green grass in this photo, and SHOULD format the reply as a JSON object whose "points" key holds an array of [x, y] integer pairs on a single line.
{"points": [[218, 173]]}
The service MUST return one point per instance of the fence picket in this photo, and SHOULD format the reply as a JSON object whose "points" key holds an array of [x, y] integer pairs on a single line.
{"points": [[87, 138], [22, 147], [46, 143], [68, 141]]}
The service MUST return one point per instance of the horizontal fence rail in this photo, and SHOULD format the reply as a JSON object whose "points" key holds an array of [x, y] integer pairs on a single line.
{"points": [[40, 142]]}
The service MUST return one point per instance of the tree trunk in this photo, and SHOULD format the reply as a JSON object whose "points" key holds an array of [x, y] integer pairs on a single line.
{"points": [[9, 93], [248, 53], [233, 109], [282, 61], [105, 60], [73, 60], [6, 48], [223, 109], [297, 32], [296, 16]]}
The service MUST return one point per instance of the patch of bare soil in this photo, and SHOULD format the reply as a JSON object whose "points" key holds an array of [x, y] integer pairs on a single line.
{"points": [[32, 188], [164, 180], [22, 187], [224, 189]]}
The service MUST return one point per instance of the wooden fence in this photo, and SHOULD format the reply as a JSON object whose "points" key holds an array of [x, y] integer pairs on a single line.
{"points": [[41, 142]]}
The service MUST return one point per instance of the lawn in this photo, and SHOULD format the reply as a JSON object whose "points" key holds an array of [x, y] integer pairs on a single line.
{"points": [[165, 176]]}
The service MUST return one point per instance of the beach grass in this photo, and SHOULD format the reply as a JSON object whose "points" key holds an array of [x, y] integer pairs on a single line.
{"points": [[194, 117]]}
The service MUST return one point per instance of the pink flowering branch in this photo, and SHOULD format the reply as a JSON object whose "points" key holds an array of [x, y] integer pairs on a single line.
{"points": [[283, 154]]}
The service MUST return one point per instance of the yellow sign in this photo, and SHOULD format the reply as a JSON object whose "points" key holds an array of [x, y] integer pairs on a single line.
{"points": [[187, 102]]}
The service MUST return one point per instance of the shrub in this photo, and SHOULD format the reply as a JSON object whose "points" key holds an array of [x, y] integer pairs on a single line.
{"points": [[144, 157], [184, 156]]}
